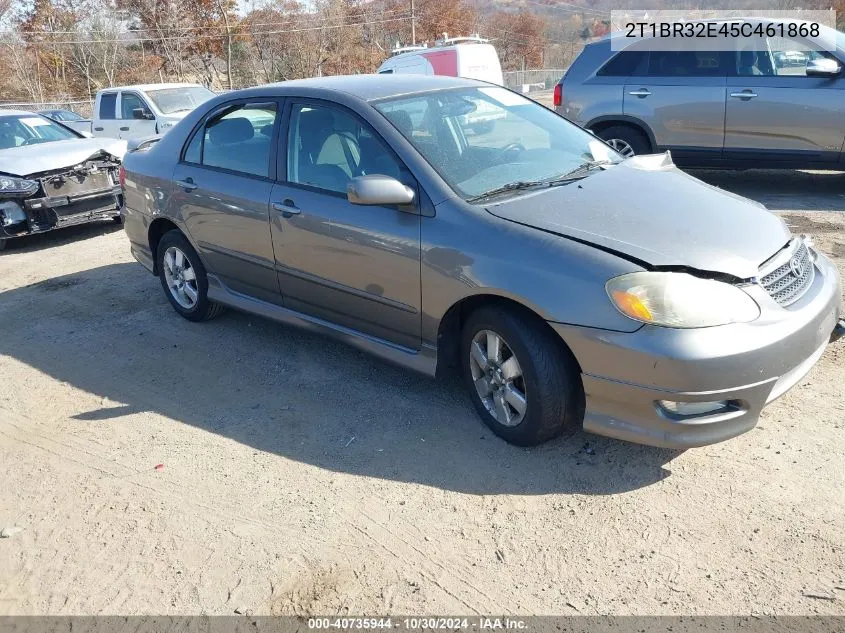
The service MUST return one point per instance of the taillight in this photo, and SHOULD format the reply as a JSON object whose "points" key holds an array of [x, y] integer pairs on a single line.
{"points": [[121, 176], [558, 97]]}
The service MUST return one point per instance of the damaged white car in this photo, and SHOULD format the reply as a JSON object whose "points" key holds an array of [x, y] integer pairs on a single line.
{"points": [[52, 176]]}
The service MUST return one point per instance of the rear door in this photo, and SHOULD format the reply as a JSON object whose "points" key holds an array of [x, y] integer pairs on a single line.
{"points": [[682, 100], [129, 126], [775, 112], [222, 192], [106, 123]]}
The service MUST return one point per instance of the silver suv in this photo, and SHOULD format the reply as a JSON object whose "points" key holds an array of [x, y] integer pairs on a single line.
{"points": [[777, 106]]}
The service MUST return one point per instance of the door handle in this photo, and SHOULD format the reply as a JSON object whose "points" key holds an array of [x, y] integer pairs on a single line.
{"points": [[124, 129], [745, 94], [188, 184], [98, 129], [642, 92], [287, 208]]}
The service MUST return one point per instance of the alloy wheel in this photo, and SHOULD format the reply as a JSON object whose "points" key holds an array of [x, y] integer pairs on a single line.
{"points": [[498, 378], [180, 277], [622, 147]]}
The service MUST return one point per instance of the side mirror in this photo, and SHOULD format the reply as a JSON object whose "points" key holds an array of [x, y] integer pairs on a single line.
{"points": [[143, 114], [823, 67], [379, 190]]}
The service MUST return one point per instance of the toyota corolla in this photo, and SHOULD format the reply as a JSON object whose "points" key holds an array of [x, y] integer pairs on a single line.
{"points": [[566, 285]]}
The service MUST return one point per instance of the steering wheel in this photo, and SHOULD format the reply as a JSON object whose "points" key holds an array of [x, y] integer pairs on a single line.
{"points": [[29, 141], [515, 147]]}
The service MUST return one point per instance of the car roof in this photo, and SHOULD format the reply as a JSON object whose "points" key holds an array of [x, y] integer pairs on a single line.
{"points": [[146, 87], [365, 87]]}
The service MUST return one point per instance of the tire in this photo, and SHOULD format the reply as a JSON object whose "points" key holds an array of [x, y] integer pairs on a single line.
{"points": [[619, 136], [3, 244], [549, 377], [191, 298], [118, 219]]}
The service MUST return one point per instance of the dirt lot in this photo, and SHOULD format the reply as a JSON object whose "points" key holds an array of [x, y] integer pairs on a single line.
{"points": [[300, 476]]}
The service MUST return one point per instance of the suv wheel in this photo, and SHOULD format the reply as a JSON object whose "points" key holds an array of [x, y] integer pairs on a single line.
{"points": [[523, 384], [626, 140], [183, 278]]}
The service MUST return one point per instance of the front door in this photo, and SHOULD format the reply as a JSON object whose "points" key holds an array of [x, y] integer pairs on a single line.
{"points": [[222, 192], [353, 265], [776, 112], [130, 127]]}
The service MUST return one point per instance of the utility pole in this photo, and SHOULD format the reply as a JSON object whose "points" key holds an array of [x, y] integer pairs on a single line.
{"points": [[413, 25]]}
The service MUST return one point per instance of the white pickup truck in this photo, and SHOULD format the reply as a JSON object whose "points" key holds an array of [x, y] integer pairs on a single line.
{"points": [[131, 112]]}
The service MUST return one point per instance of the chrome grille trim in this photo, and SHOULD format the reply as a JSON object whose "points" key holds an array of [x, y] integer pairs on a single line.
{"points": [[779, 279]]}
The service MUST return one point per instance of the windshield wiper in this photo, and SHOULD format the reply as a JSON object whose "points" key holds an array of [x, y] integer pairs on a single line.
{"points": [[582, 171], [511, 186]]}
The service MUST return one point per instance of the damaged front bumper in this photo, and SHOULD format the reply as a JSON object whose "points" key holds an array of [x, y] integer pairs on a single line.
{"points": [[84, 193]]}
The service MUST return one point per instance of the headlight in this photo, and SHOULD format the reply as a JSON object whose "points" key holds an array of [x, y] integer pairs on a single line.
{"points": [[680, 300], [17, 187]]}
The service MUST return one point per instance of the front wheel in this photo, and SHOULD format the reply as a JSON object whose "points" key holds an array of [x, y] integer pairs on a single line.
{"points": [[183, 278], [523, 382], [626, 140]]}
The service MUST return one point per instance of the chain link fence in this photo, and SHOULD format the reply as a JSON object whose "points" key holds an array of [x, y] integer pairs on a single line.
{"points": [[533, 80]]}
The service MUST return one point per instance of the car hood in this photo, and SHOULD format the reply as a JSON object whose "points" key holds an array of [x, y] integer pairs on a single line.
{"points": [[649, 210], [32, 159]]}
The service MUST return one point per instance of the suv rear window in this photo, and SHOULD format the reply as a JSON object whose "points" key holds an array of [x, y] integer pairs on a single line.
{"points": [[623, 65]]}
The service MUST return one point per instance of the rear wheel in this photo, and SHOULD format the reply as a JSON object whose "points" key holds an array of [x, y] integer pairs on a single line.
{"points": [[523, 383], [626, 140], [183, 278]]}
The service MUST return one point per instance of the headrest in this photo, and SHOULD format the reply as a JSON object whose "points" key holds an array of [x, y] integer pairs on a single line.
{"points": [[402, 120], [234, 130]]}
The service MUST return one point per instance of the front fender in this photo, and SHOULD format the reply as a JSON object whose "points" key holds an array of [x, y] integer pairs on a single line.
{"points": [[468, 252]]}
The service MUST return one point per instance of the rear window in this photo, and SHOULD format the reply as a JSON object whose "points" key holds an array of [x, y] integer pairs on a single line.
{"points": [[623, 65], [108, 105]]}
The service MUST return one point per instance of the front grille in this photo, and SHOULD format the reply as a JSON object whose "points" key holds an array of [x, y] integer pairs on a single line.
{"points": [[787, 283]]}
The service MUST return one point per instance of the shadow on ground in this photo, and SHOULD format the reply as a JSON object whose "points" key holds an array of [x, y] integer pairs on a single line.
{"points": [[111, 332], [782, 190]]}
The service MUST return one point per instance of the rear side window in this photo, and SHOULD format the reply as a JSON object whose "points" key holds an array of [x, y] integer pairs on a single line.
{"points": [[624, 64], [237, 140], [108, 105], [686, 64]]}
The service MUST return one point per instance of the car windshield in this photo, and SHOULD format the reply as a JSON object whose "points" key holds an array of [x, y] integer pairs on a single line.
{"points": [[486, 139], [67, 115], [31, 129], [172, 100]]}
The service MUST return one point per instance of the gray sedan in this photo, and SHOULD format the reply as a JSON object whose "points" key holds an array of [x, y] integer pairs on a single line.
{"points": [[566, 286]]}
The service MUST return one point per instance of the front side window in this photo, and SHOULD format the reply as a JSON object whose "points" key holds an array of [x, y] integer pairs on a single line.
{"points": [[480, 139], [31, 129], [784, 57], [172, 100], [327, 147], [239, 139], [108, 105], [129, 101]]}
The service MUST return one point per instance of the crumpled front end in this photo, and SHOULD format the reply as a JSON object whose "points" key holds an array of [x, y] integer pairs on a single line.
{"points": [[44, 201]]}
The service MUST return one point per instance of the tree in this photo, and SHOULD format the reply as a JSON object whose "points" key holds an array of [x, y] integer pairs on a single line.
{"points": [[520, 38]]}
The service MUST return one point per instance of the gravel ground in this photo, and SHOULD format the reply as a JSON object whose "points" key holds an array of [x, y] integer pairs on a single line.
{"points": [[164, 467]]}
